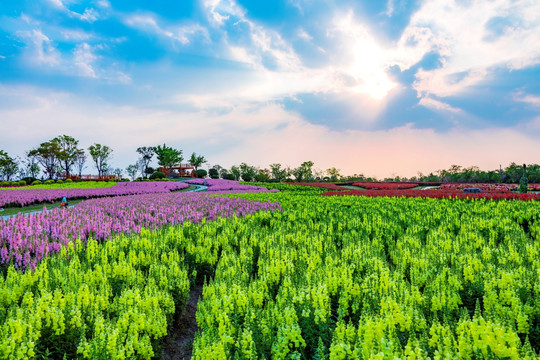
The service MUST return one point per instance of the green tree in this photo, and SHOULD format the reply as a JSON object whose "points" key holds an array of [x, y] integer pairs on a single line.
{"points": [[278, 174], [333, 173], [167, 156], [197, 160], [304, 172], [146, 152], [68, 152], [247, 172], [80, 161], [235, 172], [8, 165], [263, 175], [31, 168], [132, 170], [118, 172], [213, 173], [100, 154], [47, 155], [513, 173]]}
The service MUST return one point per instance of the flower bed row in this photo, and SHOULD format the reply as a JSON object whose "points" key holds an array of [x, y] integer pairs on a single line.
{"points": [[221, 185], [25, 240], [24, 197], [438, 194], [482, 186], [385, 185], [328, 186]]}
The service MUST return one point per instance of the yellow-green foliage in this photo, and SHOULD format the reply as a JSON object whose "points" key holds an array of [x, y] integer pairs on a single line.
{"points": [[101, 301], [68, 185], [376, 278]]}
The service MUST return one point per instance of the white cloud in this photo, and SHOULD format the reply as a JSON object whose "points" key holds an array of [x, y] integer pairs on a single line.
{"points": [[40, 47], [438, 105], [90, 15], [533, 100], [358, 68], [390, 8], [76, 35], [182, 33], [302, 34], [473, 38], [84, 59]]}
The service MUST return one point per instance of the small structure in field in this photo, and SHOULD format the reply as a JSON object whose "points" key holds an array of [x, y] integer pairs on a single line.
{"points": [[180, 170], [472, 190]]}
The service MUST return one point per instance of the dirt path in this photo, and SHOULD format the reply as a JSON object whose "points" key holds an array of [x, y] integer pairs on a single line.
{"points": [[179, 342]]}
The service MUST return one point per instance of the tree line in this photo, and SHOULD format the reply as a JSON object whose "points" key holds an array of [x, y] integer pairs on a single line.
{"points": [[58, 156], [62, 157], [167, 157]]}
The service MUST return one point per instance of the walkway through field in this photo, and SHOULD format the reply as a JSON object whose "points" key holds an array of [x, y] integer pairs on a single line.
{"points": [[179, 342]]}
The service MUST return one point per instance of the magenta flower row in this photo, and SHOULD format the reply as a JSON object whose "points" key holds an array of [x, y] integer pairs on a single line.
{"points": [[24, 197], [25, 240], [221, 185]]}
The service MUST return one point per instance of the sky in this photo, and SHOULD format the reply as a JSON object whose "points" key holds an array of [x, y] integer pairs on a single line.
{"points": [[380, 88]]}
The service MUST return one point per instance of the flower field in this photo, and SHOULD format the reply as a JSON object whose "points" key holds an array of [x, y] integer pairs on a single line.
{"points": [[483, 187], [437, 194], [66, 185], [24, 197], [385, 185], [222, 186], [323, 277], [25, 240], [321, 185]]}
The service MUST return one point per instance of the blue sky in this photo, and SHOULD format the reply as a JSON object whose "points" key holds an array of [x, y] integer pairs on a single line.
{"points": [[372, 87]]}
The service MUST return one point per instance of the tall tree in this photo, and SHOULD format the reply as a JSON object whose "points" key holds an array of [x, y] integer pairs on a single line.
{"points": [[132, 170], [263, 175], [235, 172], [68, 153], [278, 174], [80, 161], [333, 173], [168, 156], [303, 172], [31, 168], [8, 165], [247, 172], [47, 155], [118, 172], [146, 152], [100, 154], [197, 160]]}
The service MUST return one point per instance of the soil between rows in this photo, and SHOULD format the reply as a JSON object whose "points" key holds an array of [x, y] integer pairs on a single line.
{"points": [[179, 342]]}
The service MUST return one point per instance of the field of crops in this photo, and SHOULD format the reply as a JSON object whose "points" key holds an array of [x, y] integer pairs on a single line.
{"points": [[340, 277]]}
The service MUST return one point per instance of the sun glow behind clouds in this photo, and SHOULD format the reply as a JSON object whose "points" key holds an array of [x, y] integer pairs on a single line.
{"points": [[365, 60]]}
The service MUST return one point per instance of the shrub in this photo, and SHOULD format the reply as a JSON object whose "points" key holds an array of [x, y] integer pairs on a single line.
{"points": [[36, 182], [29, 179], [228, 176], [68, 181], [21, 183], [157, 175], [48, 182], [202, 173], [214, 174], [59, 181]]}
